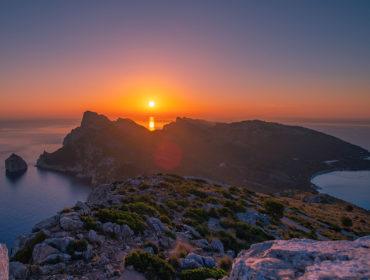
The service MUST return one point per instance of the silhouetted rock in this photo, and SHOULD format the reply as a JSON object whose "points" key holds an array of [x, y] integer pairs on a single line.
{"points": [[15, 164], [264, 156]]}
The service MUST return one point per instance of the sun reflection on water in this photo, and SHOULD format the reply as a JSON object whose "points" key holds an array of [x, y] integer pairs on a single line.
{"points": [[151, 124]]}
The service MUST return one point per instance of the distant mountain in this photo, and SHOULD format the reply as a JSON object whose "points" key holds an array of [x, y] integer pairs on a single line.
{"points": [[262, 156]]}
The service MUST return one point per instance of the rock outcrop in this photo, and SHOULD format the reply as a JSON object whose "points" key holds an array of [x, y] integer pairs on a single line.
{"points": [[304, 259], [15, 164], [4, 262], [267, 156]]}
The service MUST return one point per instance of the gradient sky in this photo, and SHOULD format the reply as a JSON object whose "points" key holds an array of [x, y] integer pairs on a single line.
{"points": [[211, 59]]}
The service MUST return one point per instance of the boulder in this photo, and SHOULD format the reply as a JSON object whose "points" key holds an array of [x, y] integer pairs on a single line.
{"points": [[217, 246], [82, 208], [59, 243], [71, 221], [15, 164], [92, 236], [47, 223], [18, 270], [251, 216], [193, 261], [156, 225], [44, 253], [4, 262], [304, 259]]}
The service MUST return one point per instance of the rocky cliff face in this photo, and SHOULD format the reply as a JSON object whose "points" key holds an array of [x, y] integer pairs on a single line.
{"points": [[15, 164], [4, 262], [182, 227], [304, 259], [263, 156]]}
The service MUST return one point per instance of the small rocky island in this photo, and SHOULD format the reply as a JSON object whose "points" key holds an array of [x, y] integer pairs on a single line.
{"points": [[15, 164]]}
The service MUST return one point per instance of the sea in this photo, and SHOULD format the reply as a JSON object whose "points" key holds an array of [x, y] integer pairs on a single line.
{"points": [[39, 194]]}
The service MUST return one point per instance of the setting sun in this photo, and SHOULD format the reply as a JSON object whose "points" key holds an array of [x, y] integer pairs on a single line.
{"points": [[151, 103]]}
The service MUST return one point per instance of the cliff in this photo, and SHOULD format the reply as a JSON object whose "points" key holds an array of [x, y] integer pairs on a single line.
{"points": [[262, 156], [166, 226], [4, 262]]}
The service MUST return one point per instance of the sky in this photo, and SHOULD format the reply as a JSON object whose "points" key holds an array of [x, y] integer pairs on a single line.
{"points": [[209, 59]]}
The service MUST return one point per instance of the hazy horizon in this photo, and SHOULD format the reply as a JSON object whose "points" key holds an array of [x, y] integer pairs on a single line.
{"points": [[264, 59]]}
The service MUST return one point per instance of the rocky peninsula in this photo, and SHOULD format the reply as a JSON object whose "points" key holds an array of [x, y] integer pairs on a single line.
{"points": [[165, 226]]}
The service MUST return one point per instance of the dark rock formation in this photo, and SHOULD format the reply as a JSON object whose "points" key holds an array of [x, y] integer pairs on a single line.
{"points": [[263, 156], [15, 164]]}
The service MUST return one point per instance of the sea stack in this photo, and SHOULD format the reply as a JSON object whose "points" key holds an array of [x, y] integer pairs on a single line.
{"points": [[15, 164]]}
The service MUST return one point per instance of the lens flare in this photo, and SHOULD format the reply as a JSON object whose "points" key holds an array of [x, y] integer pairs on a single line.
{"points": [[151, 103]]}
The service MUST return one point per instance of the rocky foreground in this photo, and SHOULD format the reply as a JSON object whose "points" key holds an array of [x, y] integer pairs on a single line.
{"points": [[170, 227], [4, 262]]}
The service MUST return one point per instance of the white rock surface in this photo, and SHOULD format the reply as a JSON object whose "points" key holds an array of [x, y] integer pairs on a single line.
{"points": [[304, 259], [4, 262]]}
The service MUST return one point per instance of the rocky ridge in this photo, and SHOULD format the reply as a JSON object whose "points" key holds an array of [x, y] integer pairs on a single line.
{"points": [[185, 228], [269, 157]]}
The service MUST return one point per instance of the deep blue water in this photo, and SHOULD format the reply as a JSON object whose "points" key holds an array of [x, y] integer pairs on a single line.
{"points": [[37, 194]]}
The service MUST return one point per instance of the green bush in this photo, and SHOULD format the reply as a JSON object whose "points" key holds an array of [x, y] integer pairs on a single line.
{"points": [[150, 265], [225, 263], [234, 206], [274, 208], [151, 244], [346, 222], [90, 223], [142, 208], [79, 246], [170, 234], [25, 254], [349, 208], [199, 215], [134, 221], [202, 273]]}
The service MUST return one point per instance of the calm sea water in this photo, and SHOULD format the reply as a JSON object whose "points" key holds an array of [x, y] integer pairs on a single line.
{"points": [[36, 194], [352, 186]]}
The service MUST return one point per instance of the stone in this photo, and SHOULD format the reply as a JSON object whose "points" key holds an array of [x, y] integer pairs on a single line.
{"points": [[304, 259], [60, 243], [71, 221], [47, 223], [156, 225], [83, 209], [42, 251], [92, 236], [193, 261], [4, 262], [15, 164], [251, 216], [18, 270], [201, 243], [217, 246]]}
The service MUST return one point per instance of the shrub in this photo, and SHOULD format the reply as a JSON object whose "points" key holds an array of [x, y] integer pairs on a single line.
{"points": [[197, 214], [150, 265], [346, 222], [225, 263], [90, 223], [212, 212], [181, 250], [234, 206], [274, 208], [202, 273], [349, 208], [65, 210], [170, 234], [134, 221], [174, 261], [25, 254], [79, 246], [142, 209], [165, 219], [151, 244]]}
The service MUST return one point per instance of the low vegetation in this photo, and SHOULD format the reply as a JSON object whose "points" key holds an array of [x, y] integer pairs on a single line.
{"points": [[24, 255]]}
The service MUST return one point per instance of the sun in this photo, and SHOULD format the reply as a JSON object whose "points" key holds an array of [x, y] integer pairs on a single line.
{"points": [[151, 103]]}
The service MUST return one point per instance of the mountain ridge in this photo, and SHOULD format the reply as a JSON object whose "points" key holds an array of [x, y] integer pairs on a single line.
{"points": [[266, 156]]}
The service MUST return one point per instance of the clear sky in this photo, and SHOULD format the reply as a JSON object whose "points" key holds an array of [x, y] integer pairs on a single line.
{"points": [[204, 58]]}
